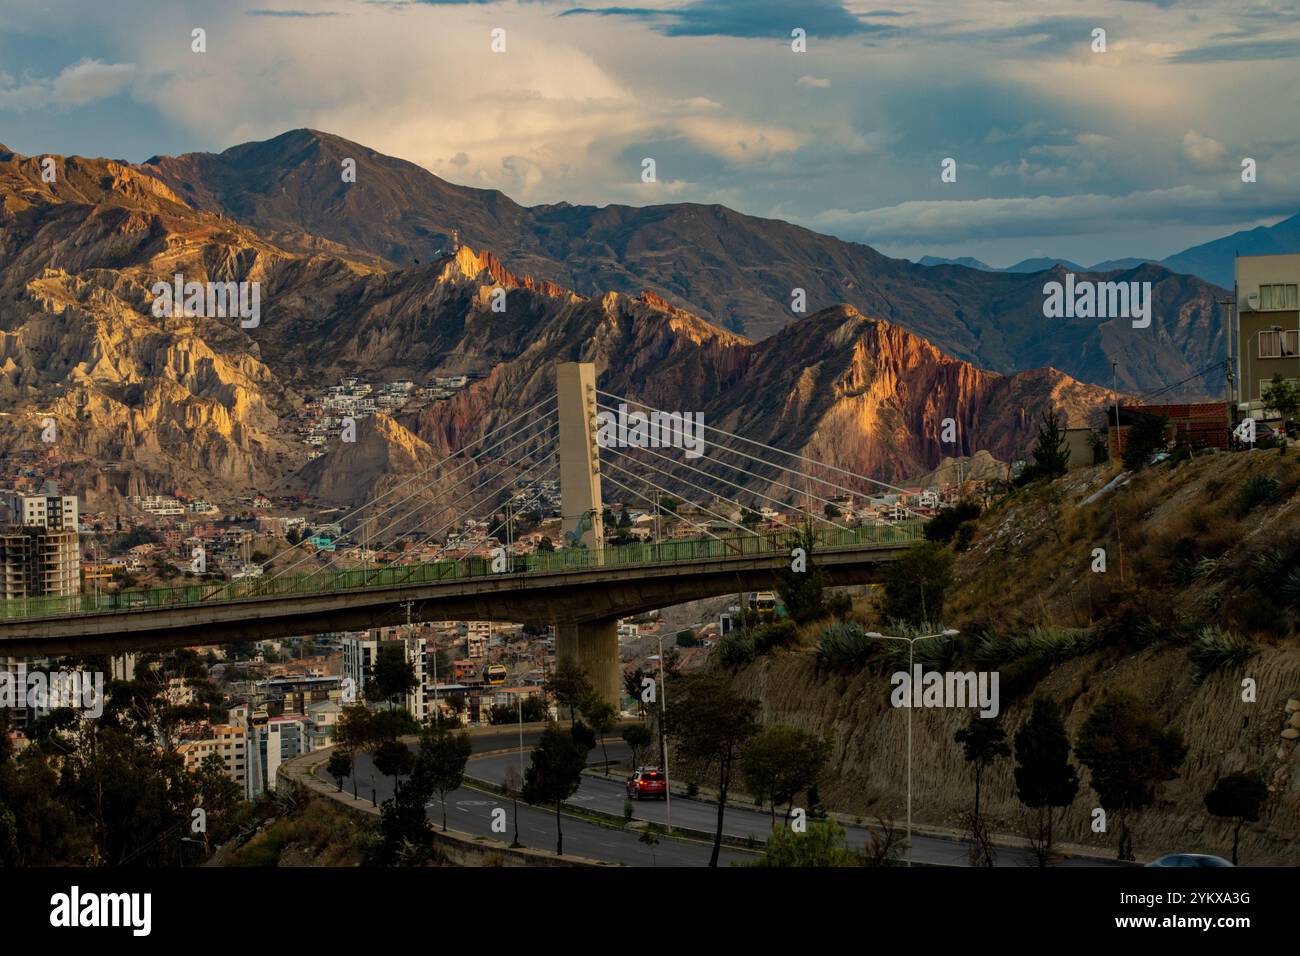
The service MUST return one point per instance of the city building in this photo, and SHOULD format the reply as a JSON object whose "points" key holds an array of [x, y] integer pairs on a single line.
{"points": [[39, 562], [47, 510], [361, 651], [277, 739], [227, 741], [1268, 327]]}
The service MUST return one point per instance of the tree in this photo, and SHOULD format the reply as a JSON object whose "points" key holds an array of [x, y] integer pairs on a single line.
{"points": [[554, 774], [686, 637], [392, 675], [710, 723], [583, 735], [916, 584], [1238, 797], [1128, 752], [1045, 779], [514, 782], [1051, 453], [443, 756], [638, 738], [943, 526], [632, 687], [404, 824], [355, 729], [602, 717], [802, 592], [823, 845], [982, 741], [1144, 438], [750, 518], [780, 763], [1283, 396], [568, 684], [533, 710], [339, 766], [393, 759], [650, 837], [393, 723]]}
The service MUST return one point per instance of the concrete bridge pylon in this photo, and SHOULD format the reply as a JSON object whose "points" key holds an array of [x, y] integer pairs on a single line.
{"points": [[593, 645]]}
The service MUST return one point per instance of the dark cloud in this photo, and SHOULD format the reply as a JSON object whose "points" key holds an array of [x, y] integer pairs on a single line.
{"points": [[749, 18], [291, 13], [1230, 52]]}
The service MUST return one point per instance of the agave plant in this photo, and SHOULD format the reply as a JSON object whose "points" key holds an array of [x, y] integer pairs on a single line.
{"points": [[1215, 648], [844, 645]]}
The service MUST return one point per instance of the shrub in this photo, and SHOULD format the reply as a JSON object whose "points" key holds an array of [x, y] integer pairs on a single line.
{"points": [[845, 646], [1050, 644], [1258, 490], [946, 523], [777, 634], [1215, 648], [737, 649], [937, 653], [965, 533], [1145, 437]]}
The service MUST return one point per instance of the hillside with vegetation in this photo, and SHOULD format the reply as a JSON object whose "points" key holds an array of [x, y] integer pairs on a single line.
{"points": [[1155, 611]]}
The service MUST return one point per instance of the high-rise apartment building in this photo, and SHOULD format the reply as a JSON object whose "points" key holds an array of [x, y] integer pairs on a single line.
{"points": [[38, 562]]}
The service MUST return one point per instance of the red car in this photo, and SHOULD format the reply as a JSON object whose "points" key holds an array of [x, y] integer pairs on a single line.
{"points": [[647, 782]]}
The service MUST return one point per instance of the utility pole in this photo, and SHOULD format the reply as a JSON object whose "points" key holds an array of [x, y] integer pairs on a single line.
{"points": [[1114, 371], [658, 535], [663, 712], [1229, 383]]}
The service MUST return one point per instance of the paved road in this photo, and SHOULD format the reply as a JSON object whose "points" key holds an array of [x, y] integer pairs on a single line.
{"points": [[470, 811], [738, 821]]}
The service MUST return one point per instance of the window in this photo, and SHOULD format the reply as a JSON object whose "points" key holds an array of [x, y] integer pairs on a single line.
{"points": [[1275, 344], [1274, 297]]}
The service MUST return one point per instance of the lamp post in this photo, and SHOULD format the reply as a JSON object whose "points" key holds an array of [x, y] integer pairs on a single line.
{"points": [[663, 712], [911, 643]]}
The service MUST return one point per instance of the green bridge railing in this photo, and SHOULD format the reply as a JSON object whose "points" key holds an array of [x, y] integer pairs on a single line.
{"points": [[405, 575]]}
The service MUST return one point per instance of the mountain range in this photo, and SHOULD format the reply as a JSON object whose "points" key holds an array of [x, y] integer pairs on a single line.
{"points": [[1212, 261], [147, 403], [737, 271]]}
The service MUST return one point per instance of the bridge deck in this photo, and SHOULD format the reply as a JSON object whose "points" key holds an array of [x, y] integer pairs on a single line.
{"points": [[565, 584]]}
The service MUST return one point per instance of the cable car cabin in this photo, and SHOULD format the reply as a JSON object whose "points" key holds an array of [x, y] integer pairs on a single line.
{"points": [[495, 674], [763, 603]]}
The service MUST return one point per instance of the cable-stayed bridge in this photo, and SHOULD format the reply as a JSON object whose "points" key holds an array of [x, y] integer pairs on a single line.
{"points": [[582, 588]]}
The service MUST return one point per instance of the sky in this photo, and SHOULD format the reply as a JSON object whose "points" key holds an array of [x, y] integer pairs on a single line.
{"points": [[1060, 149]]}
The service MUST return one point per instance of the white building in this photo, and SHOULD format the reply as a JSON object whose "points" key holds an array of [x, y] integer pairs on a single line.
{"points": [[361, 651], [57, 512]]}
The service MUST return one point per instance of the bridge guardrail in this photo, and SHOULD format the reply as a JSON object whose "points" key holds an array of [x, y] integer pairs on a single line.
{"points": [[405, 575]]}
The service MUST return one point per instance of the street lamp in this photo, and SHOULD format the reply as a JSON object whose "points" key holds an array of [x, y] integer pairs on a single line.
{"points": [[911, 643]]}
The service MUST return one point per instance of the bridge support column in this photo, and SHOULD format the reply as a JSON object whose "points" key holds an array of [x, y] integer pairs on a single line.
{"points": [[594, 647], [575, 387]]}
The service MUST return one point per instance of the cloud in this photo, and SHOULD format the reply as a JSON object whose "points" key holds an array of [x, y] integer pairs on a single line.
{"points": [[1204, 153], [945, 222], [816, 82], [292, 13], [1225, 52], [86, 81], [747, 18]]}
